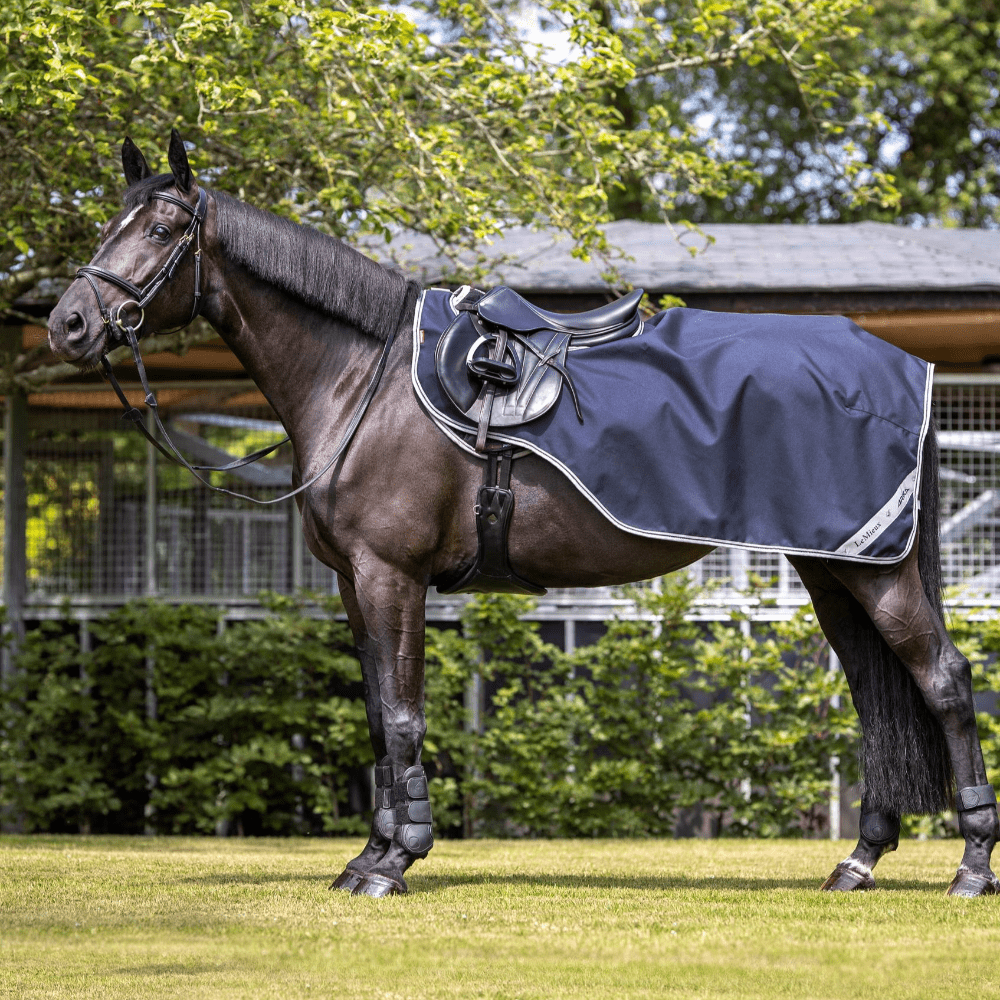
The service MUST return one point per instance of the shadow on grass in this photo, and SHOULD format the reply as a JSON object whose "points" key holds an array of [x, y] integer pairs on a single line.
{"points": [[438, 883], [430, 882], [645, 883], [175, 969], [247, 878]]}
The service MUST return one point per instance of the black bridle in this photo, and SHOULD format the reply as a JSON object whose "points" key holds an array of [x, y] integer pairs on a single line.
{"points": [[115, 326], [118, 328]]}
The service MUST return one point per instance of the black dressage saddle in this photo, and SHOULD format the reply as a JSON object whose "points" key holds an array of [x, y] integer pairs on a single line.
{"points": [[503, 361]]}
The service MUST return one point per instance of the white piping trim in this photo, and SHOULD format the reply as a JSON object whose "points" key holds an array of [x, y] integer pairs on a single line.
{"points": [[887, 513], [450, 426]]}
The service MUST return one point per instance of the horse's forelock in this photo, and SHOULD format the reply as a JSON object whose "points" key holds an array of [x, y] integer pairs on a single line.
{"points": [[141, 193]]}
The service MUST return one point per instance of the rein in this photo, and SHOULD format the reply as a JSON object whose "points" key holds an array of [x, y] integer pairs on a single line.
{"points": [[119, 328]]}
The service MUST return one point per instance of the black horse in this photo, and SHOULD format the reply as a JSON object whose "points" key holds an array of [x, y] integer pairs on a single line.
{"points": [[309, 318]]}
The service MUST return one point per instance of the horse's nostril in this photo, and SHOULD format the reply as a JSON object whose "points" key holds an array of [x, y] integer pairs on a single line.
{"points": [[75, 326]]}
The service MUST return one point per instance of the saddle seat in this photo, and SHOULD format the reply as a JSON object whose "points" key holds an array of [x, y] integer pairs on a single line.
{"points": [[503, 362], [504, 307]]}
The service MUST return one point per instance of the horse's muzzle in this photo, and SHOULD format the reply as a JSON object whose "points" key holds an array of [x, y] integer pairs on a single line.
{"points": [[74, 337]]}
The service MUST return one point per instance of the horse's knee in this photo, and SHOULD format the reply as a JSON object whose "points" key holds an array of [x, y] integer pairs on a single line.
{"points": [[405, 728]]}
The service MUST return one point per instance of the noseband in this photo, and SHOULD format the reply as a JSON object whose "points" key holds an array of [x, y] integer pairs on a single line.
{"points": [[117, 327]]}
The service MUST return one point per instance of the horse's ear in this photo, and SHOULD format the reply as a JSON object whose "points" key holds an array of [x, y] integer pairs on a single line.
{"points": [[178, 159], [134, 163]]}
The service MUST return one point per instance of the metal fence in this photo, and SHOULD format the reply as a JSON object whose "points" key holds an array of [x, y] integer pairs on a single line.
{"points": [[109, 519]]}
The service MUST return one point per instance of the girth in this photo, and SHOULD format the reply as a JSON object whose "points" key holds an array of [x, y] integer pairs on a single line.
{"points": [[491, 572]]}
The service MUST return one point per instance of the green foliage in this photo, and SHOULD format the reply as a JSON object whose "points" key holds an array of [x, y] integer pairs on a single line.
{"points": [[771, 726], [912, 97], [53, 737], [664, 725], [173, 723], [659, 716], [977, 635], [356, 119]]}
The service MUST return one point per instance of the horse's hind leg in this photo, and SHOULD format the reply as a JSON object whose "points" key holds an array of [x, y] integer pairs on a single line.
{"points": [[895, 600], [380, 838], [845, 623]]}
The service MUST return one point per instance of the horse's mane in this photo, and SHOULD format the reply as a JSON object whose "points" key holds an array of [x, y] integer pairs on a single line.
{"points": [[319, 270]]}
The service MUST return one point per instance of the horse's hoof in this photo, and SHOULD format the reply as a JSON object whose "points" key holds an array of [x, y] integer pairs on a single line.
{"points": [[849, 876], [347, 879], [378, 886], [969, 883]]}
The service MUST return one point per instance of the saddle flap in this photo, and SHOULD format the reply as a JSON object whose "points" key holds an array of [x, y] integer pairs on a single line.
{"points": [[540, 383], [451, 361], [539, 359]]}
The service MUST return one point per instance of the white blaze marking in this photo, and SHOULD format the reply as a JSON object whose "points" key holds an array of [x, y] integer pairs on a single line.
{"points": [[128, 218]]}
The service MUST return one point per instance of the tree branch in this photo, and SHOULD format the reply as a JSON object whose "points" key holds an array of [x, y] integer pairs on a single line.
{"points": [[47, 374]]}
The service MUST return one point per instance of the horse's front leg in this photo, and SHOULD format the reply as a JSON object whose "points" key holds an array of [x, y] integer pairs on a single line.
{"points": [[392, 608], [380, 838]]}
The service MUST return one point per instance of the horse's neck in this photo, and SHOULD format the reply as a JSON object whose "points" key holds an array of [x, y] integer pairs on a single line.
{"points": [[309, 366]]}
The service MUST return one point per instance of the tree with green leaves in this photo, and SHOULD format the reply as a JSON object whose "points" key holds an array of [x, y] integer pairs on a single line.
{"points": [[351, 117], [918, 98]]}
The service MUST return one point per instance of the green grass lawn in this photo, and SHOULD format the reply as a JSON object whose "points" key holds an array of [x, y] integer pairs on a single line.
{"points": [[176, 917]]}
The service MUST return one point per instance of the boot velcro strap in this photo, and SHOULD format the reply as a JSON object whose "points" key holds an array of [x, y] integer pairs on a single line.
{"points": [[416, 811], [416, 787], [974, 797]]}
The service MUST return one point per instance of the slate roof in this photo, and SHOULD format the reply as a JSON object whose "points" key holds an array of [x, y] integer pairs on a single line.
{"points": [[866, 256]]}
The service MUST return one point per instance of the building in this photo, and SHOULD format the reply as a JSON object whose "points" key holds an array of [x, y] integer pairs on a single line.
{"points": [[100, 518]]}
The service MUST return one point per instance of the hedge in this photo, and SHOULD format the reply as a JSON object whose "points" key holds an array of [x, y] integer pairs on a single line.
{"points": [[172, 724]]}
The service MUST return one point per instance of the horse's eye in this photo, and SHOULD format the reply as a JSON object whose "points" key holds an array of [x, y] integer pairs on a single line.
{"points": [[159, 233]]}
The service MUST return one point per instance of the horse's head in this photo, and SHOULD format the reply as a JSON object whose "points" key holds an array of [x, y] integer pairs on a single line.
{"points": [[146, 274]]}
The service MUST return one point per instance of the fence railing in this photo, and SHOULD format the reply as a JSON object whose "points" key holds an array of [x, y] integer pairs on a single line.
{"points": [[109, 520]]}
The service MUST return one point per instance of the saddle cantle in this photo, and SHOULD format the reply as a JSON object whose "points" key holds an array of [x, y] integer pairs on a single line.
{"points": [[503, 362]]}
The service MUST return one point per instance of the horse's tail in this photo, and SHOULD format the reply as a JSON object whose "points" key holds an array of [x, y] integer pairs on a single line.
{"points": [[904, 756]]}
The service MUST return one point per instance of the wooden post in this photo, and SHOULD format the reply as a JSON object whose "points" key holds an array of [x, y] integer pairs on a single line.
{"points": [[15, 508], [835, 830], [298, 552]]}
